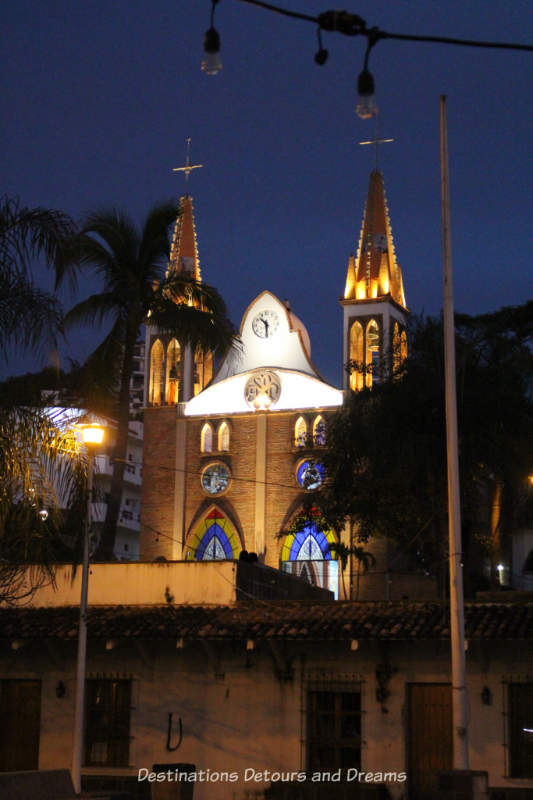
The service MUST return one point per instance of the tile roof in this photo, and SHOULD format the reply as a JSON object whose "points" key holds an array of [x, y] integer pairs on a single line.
{"points": [[314, 621]]}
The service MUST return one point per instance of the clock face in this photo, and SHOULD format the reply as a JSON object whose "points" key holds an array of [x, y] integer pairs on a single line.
{"points": [[310, 474], [262, 389], [216, 478], [265, 324]]}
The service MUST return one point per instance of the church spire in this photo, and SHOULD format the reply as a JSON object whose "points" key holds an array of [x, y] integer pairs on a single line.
{"points": [[184, 248], [375, 272]]}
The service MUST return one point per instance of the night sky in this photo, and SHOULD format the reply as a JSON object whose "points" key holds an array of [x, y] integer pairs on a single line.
{"points": [[99, 98]]}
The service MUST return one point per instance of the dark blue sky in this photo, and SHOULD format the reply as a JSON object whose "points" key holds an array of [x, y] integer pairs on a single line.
{"points": [[99, 97]]}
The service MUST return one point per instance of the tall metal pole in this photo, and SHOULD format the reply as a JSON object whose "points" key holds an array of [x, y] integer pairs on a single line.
{"points": [[457, 624], [77, 754]]}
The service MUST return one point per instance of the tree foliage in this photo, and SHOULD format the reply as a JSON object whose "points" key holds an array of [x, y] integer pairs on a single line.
{"points": [[39, 459], [386, 458]]}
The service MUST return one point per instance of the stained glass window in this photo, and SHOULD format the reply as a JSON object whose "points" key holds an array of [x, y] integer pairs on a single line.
{"points": [[206, 438], [309, 544], [214, 539], [223, 436], [310, 474], [319, 431], [300, 432]]}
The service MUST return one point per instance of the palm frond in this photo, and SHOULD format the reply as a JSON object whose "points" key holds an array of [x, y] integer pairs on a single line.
{"points": [[26, 233], [29, 316], [94, 309]]}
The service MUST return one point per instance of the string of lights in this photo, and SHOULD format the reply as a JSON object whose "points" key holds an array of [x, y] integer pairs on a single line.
{"points": [[349, 25]]}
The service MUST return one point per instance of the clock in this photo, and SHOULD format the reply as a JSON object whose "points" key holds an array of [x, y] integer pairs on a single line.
{"points": [[310, 474], [265, 324], [215, 478], [262, 389]]}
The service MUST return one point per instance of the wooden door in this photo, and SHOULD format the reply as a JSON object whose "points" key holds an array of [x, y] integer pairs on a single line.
{"points": [[20, 722], [429, 737]]}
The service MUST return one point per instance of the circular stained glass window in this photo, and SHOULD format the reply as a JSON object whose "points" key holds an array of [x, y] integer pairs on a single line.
{"points": [[310, 474], [216, 478]]}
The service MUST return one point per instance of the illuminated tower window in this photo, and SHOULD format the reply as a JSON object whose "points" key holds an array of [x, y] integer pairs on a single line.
{"points": [[372, 355], [356, 357], [203, 370], [396, 349], [223, 436], [206, 438], [173, 371], [156, 373], [319, 431], [300, 432], [403, 346]]}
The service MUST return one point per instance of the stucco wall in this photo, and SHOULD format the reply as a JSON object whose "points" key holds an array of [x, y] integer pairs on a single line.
{"points": [[138, 583], [238, 714]]}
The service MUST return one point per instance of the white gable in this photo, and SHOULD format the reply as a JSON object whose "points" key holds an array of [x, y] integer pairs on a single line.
{"points": [[268, 341], [271, 369]]}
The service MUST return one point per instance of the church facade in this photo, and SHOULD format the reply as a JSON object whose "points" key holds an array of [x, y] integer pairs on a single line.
{"points": [[230, 458]]}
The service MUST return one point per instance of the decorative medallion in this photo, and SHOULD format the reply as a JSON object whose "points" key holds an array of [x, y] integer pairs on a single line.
{"points": [[216, 478], [310, 474], [262, 390]]}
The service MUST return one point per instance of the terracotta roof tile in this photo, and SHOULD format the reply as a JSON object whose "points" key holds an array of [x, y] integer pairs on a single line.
{"points": [[315, 621]]}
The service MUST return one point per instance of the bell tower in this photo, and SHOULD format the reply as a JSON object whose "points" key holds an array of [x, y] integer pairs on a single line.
{"points": [[173, 372], [374, 309]]}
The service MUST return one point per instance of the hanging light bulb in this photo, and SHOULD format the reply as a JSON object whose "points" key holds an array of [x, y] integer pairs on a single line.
{"points": [[212, 64], [366, 106]]}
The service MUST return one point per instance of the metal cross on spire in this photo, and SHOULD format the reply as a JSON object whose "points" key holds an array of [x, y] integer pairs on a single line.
{"points": [[188, 168], [376, 142]]}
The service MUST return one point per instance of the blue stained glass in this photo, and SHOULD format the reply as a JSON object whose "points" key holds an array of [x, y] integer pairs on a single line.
{"points": [[310, 474], [214, 545], [310, 544]]}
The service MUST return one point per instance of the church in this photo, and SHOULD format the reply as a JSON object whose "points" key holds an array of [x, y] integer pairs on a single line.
{"points": [[229, 457]]}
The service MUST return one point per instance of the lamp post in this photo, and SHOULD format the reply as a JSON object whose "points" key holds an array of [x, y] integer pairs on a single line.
{"points": [[92, 437]]}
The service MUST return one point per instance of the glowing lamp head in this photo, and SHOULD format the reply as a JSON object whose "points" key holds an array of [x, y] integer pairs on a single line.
{"points": [[500, 568], [92, 435], [366, 105]]}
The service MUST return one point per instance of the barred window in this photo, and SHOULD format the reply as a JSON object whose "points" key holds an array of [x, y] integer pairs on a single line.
{"points": [[334, 729], [107, 725], [521, 730]]}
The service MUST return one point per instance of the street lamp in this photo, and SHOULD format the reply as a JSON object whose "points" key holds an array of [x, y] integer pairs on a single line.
{"points": [[92, 436]]}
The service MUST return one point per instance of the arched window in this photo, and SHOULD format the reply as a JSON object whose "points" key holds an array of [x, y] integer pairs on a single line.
{"points": [[396, 351], [319, 430], [356, 357], [206, 438], [214, 539], [403, 346], [173, 371], [309, 544], [223, 436], [372, 365], [300, 432], [156, 373], [203, 370], [306, 554]]}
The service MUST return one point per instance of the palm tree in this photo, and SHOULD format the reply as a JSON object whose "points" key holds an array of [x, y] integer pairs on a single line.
{"points": [[364, 559], [131, 264]]}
